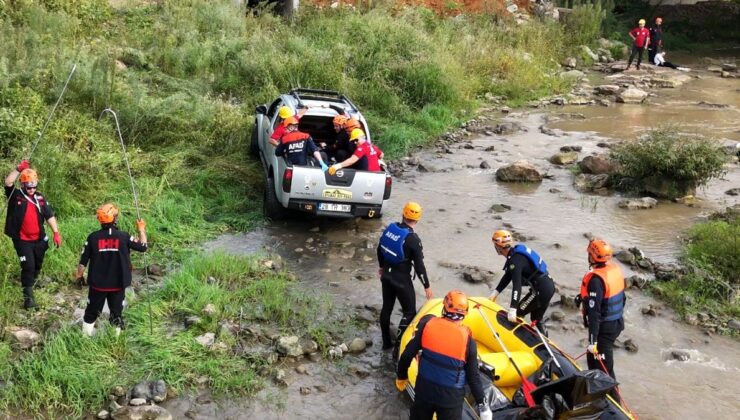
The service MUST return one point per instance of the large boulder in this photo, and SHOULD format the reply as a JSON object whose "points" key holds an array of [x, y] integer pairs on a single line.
{"points": [[597, 164], [519, 171], [607, 89], [666, 188], [23, 338], [591, 183], [632, 95], [638, 203]]}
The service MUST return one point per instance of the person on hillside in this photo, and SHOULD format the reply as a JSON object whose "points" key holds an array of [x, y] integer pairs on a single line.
{"points": [[659, 60], [366, 156], [656, 39], [641, 38], [24, 224], [298, 147], [108, 253], [602, 301], [449, 360], [399, 250], [523, 267], [283, 114]]}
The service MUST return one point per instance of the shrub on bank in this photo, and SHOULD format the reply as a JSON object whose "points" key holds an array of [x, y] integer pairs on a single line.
{"points": [[669, 164]]}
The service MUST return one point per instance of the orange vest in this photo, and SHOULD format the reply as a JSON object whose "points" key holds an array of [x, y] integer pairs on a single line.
{"points": [[294, 136], [612, 306], [444, 345]]}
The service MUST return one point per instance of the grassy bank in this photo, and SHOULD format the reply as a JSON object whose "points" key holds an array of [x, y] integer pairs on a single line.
{"points": [[72, 374], [710, 288]]}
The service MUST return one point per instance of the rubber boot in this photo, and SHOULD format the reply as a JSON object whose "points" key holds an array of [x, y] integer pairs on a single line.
{"points": [[88, 329], [28, 302]]}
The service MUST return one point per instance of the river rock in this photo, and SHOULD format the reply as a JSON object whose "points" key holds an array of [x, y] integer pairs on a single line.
{"points": [[568, 302], [357, 345], [597, 164], [649, 310], [206, 340], [572, 74], [557, 316], [607, 89], [714, 69], [103, 414], [664, 188], [507, 128], [485, 165], [519, 171], [23, 338], [571, 148], [632, 95], [638, 203], [477, 275], [137, 402], [564, 158], [731, 67], [209, 310], [308, 346], [590, 182], [358, 371], [666, 272], [570, 62], [734, 324], [630, 346], [150, 391], [590, 54], [733, 191], [289, 346], [192, 320], [144, 412], [680, 355], [500, 208], [626, 257]]}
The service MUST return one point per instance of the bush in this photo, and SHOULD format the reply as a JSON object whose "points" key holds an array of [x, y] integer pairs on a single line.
{"points": [[583, 24], [668, 163], [716, 244]]}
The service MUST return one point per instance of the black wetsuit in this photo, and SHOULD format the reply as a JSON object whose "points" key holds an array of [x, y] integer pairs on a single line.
{"points": [[603, 333], [398, 284], [656, 42], [520, 270]]}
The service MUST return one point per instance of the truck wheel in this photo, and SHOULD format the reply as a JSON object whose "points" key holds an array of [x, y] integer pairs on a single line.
{"points": [[273, 209], [254, 147]]}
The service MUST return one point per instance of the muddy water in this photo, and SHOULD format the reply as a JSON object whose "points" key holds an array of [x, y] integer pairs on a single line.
{"points": [[339, 258]]}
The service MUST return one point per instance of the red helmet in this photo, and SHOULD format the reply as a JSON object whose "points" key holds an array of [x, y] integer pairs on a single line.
{"points": [[455, 305], [599, 251]]}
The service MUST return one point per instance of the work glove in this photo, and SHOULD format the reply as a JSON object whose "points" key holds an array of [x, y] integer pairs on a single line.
{"points": [[23, 165], [334, 168], [323, 166], [511, 315], [484, 412], [57, 239], [578, 300], [494, 295], [592, 349], [401, 384], [140, 224], [80, 281]]}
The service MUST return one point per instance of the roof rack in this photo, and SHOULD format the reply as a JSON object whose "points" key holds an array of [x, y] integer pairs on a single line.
{"points": [[321, 94]]}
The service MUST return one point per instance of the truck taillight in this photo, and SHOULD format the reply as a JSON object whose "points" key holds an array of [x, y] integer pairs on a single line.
{"points": [[388, 187], [288, 179]]}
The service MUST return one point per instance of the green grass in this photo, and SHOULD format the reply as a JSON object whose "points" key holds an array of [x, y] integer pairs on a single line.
{"points": [[72, 375]]}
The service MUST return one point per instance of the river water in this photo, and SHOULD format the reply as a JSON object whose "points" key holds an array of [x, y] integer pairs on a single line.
{"points": [[339, 258]]}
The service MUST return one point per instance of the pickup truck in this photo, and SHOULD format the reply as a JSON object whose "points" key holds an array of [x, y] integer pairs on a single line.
{"points": [[308, 189]]}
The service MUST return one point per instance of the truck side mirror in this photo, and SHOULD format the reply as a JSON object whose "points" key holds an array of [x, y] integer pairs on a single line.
{"points": [[261, 109]]}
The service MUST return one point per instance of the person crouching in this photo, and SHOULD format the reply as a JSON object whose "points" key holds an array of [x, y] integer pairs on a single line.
{"points": [[108, 252]]}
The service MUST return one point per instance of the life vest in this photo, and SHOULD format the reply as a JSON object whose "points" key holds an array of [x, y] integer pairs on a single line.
{"points": [[532, 256], [444, 345], [391, 243], [294, 136], [612, 306]]}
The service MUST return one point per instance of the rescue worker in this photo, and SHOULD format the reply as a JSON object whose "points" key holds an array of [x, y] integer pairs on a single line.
{"points": [[602, 300], [656, 39], [366, 156], [108, 252], [399, 250], [523, 267], [298, 146], [344, 146], [283, 114], [641, 38], [24, 224], [449, 360]]}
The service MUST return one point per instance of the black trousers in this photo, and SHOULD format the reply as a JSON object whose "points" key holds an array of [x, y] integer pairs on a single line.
{"points": [[608, 333], [403, 290], [95, 302], [31, 256], [536, 301], [425, 411], [652, 50], [636, 52], [669, 65]]}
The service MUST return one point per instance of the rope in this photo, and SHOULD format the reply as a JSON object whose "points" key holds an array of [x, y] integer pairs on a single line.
{"points": [[138, 212], [581, 355]]}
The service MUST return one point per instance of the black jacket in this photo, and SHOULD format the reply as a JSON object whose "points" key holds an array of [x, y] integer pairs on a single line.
{"points": [[436, 394], [17, 205], [414, 253], [520, 271], [108, 252]]}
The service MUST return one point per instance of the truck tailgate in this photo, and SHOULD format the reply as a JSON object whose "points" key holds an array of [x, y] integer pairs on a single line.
{"points": [[346, 186]]}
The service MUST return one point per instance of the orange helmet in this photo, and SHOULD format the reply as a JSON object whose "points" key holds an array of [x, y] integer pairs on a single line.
{"points": [[107, 213], [340, 119], [351, 124], [502, 238], [412, 211], [455, 305], [29, 178], [290, 121], [599, 251]]}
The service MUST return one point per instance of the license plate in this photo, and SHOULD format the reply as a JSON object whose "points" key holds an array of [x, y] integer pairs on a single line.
{"points": [[344, 208]]}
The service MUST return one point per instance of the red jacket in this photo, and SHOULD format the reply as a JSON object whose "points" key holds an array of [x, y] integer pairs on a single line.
{"points": [[642, 36]]}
